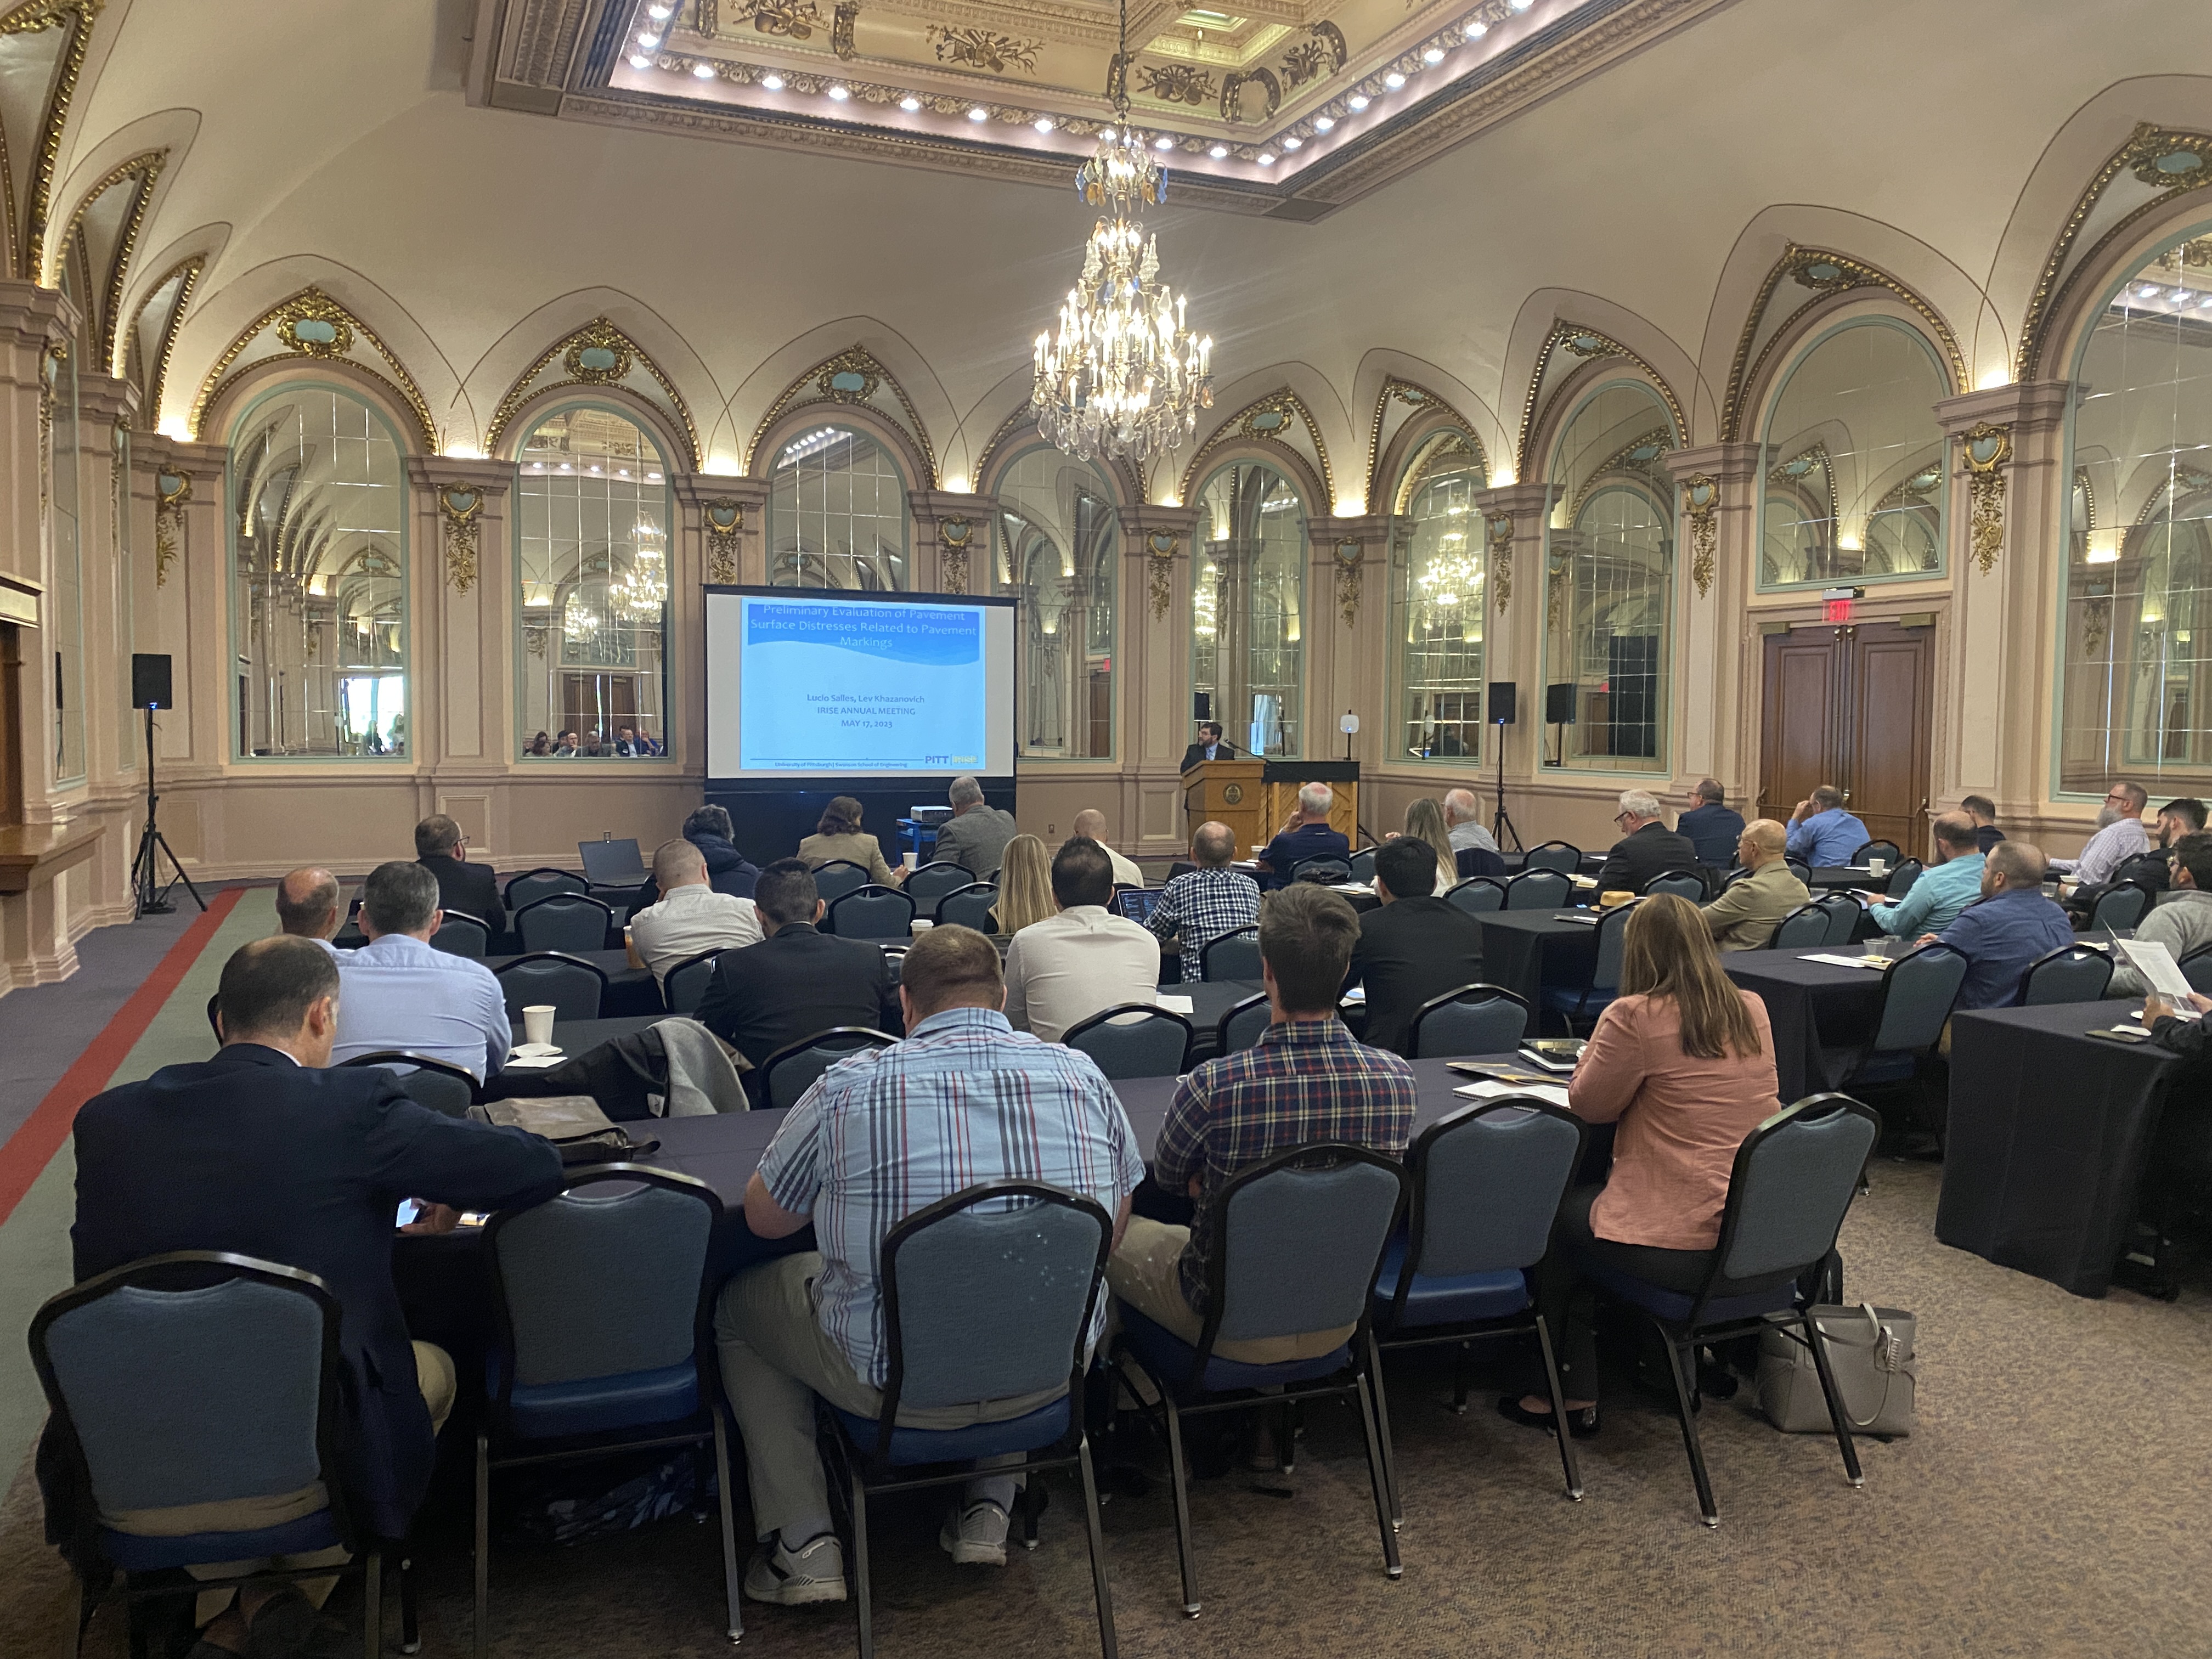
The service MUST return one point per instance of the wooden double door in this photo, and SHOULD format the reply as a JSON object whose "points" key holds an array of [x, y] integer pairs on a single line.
{"points": [[1851, 705]]}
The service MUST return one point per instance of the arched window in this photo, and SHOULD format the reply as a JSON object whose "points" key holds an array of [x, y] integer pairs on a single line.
{"points": [[1440, 597], [1247, 604], [1855, 461], [592, 559], [318, 577], [2137, 656], [1609, 579], [1058, 539], [836, 513]]}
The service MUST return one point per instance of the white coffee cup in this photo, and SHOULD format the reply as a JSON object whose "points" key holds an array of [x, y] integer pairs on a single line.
{"points": [[919, 925], [537, 1024], [910, 858], [1876, 867]]}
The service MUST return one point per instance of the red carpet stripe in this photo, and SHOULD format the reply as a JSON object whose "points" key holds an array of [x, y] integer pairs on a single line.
{"points": [[32, 1146]]}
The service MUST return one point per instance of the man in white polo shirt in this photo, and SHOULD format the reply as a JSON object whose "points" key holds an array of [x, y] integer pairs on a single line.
{"points": [[1064, 969], [692, 917], [1090, 824]]}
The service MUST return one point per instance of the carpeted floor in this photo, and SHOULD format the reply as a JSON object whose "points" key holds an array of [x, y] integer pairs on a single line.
{"points": [[2052, 1504]]}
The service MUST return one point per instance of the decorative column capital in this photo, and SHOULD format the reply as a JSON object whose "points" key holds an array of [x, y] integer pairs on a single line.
{"points": [[960, 526], [726, 504], [461, 488], [1160, 534], [2027, 406], [1986, 425], [1350, 539]]}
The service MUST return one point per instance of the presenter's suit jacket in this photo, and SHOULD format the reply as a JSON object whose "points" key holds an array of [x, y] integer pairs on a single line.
{"points": [[793, 983], [1196, 753], [472, 889], [252, 1153], [1409, 950]]}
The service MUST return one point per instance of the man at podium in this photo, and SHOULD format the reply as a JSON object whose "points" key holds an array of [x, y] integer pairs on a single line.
{"points": [[1209, 746]]}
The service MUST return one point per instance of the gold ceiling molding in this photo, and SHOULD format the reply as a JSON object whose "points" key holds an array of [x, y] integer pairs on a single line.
{"points": [[852, 378], [597, 354], [1657, 438], [311, 323], [1827, 274], [35, 17], [157, 371], [1438, 449], [1420, 398], [145, 169], [983, 49], [1020, 416], [2171, 160], [1266, 421], [1589, 344]]}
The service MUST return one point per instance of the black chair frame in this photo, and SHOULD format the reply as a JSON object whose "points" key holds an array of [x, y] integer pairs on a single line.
{"points": [[872, 891], [2068, 953], [1527, 858], [193, 1269], [972, 887], [1652, 886], [1865, 850], [710, 957], [1221, 1026], [499, 972], [495, 1429], [864, 1036], [1164, 1417], [1337, 867], [2202, 953], [1424, 1336], [1881, 1009], [1151, 1009], [1479, 991], [1811, 906], [462, 916], [1205, 955], [420, 1063], [1615, 917], [860, 870], [507, 888], [1478, 881], [606, 911], [869, 1471]]}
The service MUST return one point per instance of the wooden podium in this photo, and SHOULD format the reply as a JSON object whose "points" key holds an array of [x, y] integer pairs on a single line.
{"points": [[1230, 792]]}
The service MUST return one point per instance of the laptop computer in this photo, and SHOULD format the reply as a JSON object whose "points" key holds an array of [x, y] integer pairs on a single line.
{"points": [[1137, 904], [611, 863]]}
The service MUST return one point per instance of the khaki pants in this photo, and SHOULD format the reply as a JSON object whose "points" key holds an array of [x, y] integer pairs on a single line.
{"points": [[433, 1374], [1144, 1272]]}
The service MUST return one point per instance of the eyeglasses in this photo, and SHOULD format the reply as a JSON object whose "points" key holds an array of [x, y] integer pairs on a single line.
{"points": [[2117, 797]]}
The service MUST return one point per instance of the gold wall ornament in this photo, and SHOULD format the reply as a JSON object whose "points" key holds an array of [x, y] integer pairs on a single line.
{"points": [[983, 49], [1232, 93], [1160, 547], [171, 491], [850, 377], [77, 18], [598, 354], [1500, 526], [314, 324], [723, 519], [1321, 52], [1701, 499], [311, 312], [1587, 345], [840, 30], [1176, 83], [2171, 160], [50, 386], [1986, 449], [1347, 580], [461, 504], [794, 20], [954, 536]]}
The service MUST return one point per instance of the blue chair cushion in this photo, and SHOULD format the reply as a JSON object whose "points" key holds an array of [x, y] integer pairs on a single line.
{"points": [[597, 1405], [1461, 1299], [1569, 1000], [1016, 1434], [1674, 1306], [133, 1554], [1169, 1358]]}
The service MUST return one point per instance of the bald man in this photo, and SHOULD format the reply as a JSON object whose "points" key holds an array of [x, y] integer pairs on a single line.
{"points": [[307, 905], [1744, 917], [692, 917], [1090, 825]]}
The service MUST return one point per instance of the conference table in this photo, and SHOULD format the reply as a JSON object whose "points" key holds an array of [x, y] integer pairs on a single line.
{"points": [[1817, 1010], [1844, 877], [1525, 951]]}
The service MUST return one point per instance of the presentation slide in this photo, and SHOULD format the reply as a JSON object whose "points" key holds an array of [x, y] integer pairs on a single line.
{"points": [[814, 683]]}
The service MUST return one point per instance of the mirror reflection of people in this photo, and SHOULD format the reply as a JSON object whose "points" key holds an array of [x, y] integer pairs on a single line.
{"points": [[1209, 746]]}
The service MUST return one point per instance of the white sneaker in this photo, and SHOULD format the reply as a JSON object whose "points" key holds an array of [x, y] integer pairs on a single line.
{"points": [[797, 1578], [975, 1536]]}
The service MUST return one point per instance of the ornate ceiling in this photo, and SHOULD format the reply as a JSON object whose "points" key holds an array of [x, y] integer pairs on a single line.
{"points": [[1286, 108]]}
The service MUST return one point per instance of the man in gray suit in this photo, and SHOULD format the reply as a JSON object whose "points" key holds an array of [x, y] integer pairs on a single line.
{"points": [[975, 836]]}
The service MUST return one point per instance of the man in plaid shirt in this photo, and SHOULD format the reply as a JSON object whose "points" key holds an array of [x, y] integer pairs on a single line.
{"points": [[1204, 903], [965, 1099], [1308, 1078]]}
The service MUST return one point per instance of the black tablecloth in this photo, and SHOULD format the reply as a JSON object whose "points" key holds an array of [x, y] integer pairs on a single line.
{"points": [[1844, 876], [1516, 862], [1524, 950], [2050, 1133], [1811, 1006]]}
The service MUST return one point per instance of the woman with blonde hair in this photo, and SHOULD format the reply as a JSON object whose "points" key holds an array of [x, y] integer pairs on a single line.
{"points": [[838, 835], [1424, 821], [1025, 886], [1682, 1059]]}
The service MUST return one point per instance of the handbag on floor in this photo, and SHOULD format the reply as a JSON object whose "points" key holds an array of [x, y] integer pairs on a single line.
{"points": [[1870, 1351]]}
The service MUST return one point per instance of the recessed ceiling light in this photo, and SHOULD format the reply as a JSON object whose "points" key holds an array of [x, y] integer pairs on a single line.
{"points": [[661, 13], [1477, 29], [1163, 143], [704, 71], [773, 82], [1323, 123], [1394, 80], [910, 103], [639, 60], [648, 42], [1219, 151], [1264, 158], [1358, 102], [2181, 296], [1042, 123], [1292, 142], [1433, 55], [838, 95], [2147, 291], [979, 114], [1523, 5]]}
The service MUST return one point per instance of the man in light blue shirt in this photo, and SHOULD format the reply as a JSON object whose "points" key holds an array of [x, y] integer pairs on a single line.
{"points": [[397, 992], [1943, 890], [1822, 834]]}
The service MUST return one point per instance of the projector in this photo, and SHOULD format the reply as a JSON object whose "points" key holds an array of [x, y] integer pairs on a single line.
{"points": [[931, 816]]}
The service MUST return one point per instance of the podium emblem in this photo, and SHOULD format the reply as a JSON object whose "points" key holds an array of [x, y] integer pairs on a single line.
{"points": [[1233, 794]]}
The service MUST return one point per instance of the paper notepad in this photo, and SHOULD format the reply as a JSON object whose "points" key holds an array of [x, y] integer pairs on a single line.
{"points": [[1831, 958], [1550, 1093], [533, 1063], [1176, 1005]]}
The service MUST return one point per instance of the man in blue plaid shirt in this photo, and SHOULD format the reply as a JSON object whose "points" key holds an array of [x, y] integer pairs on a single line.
{"points": [[1308, 1078], [965, 1099], [1203, 904]]}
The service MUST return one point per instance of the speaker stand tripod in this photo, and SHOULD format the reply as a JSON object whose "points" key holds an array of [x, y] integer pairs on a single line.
{"points": [[1501, 825], [150, 894]]}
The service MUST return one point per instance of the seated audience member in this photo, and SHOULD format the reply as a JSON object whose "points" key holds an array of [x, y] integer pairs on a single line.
{"points": [[1822, 834], [401, 993], [540, 745], [1209, 746], [308, 906], [1414, 947], [1306, 835], [838, 835], [264, 1151], [1062, 971], [1090, 824], [1424, 822], [690, 916], [1749, 909], [1984, 811], [1477, 851], [471, 889], [1647, 847], [1942, 891], [566, 749], [2182, 920], [1712, 826], [963, 1099], [2177, 818], [648, 745], [796, 981], [625, 743], [1684, 1062], [728, 871], [2012, 926], [1199, 906], [1306, 1079], [2119, 836], [975, 837], [1024, 888]]}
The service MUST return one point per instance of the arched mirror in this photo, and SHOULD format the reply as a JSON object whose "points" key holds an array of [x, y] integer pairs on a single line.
{"points": [[1058, 538], [837, 513], [1439, 601], [1247, 600]]}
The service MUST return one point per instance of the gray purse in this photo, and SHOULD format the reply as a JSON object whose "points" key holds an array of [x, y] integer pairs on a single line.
{"points": [[1870, 1351]]}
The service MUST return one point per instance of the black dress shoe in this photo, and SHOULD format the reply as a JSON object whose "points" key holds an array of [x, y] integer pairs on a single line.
{"points": [[1582, 1422]]}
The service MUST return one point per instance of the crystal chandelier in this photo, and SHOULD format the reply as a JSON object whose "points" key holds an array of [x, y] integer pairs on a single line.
{"points": [[643, 589], [1123, 375]]}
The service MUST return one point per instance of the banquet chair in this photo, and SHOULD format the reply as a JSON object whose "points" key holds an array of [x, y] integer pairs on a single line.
{"points": [[684, 986], [2119, 907], [1484, 1188], [1794, 1178], [932, 881], [534, 885], [1588, 999], [838, 878], [792, 1070], [1324, 867], [563, 921], [2197, 968], [442, 1087], [1539, 887], [1800, 869], [969, 907], [1682, 884], [574, 987], [1297, 1244], [1477, 895], [603, 1315], [462, 935], [1363, 864], [870, 913], [1802, 929], [2072, 972], [1902, 877], [1843, 912], [1884, 849], [1244, 1024], [1232, 955], [1135, 1039], [1918, 992], [1553, 855], [1475, 1019], [215, 1016], [949, 1273]]}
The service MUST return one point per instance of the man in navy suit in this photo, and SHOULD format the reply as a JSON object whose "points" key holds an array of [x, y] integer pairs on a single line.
{"points": [[262, 1151]]}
